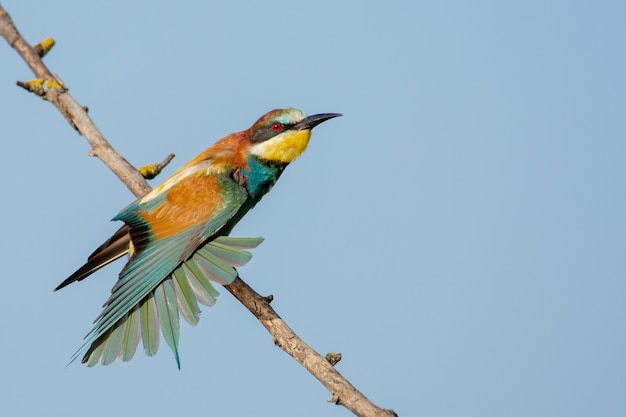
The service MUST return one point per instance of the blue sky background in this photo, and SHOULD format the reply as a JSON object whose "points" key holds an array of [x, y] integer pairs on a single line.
{"points": [[459, 235]]}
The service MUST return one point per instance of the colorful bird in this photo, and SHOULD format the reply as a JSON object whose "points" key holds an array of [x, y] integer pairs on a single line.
{"points": [[177, 237]]}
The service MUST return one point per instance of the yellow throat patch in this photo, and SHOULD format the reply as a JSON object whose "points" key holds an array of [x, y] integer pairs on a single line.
{"points": [[285, 147]]}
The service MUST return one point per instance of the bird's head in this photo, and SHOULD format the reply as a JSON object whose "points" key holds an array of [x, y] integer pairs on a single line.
{"points": [[283, 134]]}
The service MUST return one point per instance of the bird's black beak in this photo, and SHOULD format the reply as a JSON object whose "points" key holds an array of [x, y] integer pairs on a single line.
{"points": [[312, 121]]}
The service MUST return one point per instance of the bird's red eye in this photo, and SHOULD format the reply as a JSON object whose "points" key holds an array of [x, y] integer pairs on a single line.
{"points": [[276, 126]]}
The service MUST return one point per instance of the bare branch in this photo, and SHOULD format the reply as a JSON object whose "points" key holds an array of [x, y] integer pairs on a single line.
{"points": [[343, 393], [73, 112], [51, 89]]}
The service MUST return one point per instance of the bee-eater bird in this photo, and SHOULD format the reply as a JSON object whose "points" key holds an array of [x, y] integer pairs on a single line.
{"points": [[177, 237]]}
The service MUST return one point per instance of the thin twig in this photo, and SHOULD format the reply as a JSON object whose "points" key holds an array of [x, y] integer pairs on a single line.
{"points": [[343, 393], [150, 171]]}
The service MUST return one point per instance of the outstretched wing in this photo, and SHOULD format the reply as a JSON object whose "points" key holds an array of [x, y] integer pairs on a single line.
{"points": [[167, 268], [180, 293]]}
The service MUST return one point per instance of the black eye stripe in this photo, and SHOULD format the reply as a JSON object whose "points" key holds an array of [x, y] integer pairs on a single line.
{"points": [[267, 132]]}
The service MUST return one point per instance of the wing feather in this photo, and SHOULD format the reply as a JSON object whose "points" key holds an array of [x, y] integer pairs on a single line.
{"points": [[167, 308], [187, 304]]}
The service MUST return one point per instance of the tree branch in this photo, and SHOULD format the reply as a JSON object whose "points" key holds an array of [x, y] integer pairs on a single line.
{"points": [[51, 89], [70, 109], [343, 392]]}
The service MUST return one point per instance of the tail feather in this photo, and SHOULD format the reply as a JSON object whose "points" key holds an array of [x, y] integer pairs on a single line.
{"points": [[114, 248]]}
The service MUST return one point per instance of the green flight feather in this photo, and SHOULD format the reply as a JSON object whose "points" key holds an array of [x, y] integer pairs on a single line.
{"points": [[94, 355], [187, 304], [212, 267], [202, 287], [113, 344], [239, 242], [149, 326], [132, 335], [167, 308], [228, 254]]}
